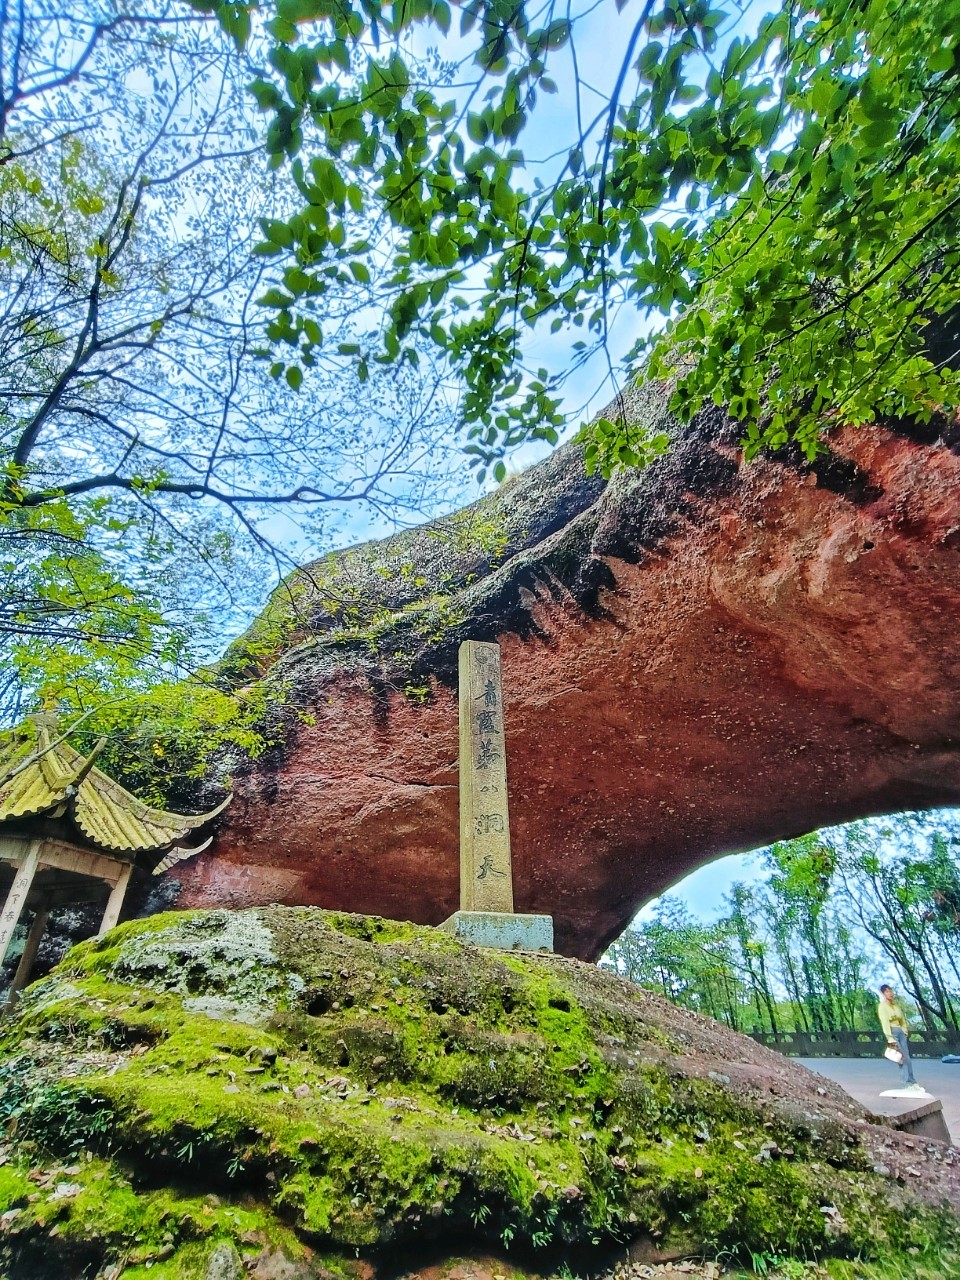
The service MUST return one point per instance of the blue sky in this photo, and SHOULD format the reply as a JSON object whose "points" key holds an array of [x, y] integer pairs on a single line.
{"points": [[703, 891]]}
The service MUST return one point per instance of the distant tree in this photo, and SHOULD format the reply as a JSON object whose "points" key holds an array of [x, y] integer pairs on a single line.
{"points": [[754, 951], [795, 951], [685, 960], [780, 929], [784, 199], [802, 879], [941, 877], [900, 899]]}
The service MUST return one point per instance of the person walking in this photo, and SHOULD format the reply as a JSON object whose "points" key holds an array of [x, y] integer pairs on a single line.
{"points": [[895, 1027]]}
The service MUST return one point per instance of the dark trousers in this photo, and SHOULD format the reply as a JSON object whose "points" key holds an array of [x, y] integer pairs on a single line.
{"points": [[906, 1066]]}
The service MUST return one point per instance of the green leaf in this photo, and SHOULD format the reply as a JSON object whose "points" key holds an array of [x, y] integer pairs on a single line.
{"points": [[476, 128], [277, 232], [275, 298], [266, 94]]}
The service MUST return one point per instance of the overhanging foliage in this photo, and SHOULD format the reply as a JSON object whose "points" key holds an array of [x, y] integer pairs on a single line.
{"points": [[785, 199]]}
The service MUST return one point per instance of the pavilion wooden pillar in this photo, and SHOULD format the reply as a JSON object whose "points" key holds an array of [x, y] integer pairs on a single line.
{"points": [[115, 901], [17, 897], [34, 937]]}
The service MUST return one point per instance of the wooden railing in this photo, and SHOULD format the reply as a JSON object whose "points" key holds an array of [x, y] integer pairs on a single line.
{"points": [[849, 1044]]}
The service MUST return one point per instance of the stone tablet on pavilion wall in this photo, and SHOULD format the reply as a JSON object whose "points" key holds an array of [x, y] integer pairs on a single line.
{"points": [[486, 876]]}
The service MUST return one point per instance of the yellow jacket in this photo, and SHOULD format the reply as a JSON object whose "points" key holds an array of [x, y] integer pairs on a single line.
{"points": [[891, 1015]]}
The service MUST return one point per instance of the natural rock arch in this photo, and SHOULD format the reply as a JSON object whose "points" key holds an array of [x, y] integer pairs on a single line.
{"points": [[698, 658]]}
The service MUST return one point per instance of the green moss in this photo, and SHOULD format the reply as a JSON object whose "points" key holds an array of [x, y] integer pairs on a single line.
{"points": [[284, 618], [379, 596], [14, 1187], [94, 1210], [934, 1264], [370, 1083], [377, 610]]}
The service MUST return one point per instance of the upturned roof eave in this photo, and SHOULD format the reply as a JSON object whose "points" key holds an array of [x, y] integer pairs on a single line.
{"points": [[105, 814]]}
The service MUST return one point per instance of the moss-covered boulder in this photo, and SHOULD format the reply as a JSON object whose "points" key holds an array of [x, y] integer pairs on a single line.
{"points": [[295, 1085]]}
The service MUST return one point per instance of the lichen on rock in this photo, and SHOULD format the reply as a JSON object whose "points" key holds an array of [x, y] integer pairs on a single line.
{"points": [[222, 962], [366, 1086]]}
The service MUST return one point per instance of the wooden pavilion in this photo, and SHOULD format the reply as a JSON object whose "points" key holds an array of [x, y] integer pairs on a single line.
{"points": [[69, 834]]}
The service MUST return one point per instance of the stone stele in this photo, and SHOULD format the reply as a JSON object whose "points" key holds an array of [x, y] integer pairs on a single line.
{"points": [[486, 917]]}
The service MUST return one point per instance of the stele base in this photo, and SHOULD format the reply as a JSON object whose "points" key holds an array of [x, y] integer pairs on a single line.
{"points": [[502, 930]]}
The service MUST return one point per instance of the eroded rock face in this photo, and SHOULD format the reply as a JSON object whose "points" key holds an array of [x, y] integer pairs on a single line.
{"points": [[698, 659]]}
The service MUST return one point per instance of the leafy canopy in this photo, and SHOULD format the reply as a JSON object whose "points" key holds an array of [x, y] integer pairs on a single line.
{"points": [[145, 450], [784, 201]]}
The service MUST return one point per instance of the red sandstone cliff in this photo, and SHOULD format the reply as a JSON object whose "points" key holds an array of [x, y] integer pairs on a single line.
{"points": [[698, 659]]}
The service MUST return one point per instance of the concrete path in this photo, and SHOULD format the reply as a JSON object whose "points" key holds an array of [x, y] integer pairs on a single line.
{"points": [[865, 1079]]}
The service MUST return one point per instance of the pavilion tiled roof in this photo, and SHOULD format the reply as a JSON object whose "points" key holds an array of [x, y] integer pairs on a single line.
{"points": [[43, 777]]}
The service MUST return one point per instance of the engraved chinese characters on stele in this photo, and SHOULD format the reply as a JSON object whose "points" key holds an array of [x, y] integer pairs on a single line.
{"points": [[486, 878]]}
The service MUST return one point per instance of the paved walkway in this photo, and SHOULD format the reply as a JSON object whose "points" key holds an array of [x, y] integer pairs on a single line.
{"points": [[865, 1078]]}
